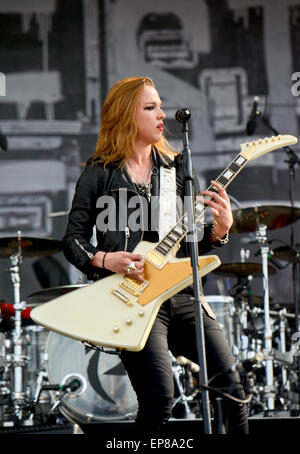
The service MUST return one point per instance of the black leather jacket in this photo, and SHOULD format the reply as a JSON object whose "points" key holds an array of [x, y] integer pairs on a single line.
{"points": [[96, 181]]}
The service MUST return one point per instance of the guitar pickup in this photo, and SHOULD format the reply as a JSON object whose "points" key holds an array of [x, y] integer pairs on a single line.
{"points": [[156, 259], [134, 286]]}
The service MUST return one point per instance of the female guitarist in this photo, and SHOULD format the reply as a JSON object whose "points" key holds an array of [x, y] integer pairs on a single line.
{"points": [[131, 154]]}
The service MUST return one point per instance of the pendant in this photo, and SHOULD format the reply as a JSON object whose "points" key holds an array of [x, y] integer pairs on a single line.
{"points": [[144, 189]]}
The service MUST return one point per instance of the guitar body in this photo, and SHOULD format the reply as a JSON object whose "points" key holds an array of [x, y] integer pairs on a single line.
{"points": [[117, 311]]}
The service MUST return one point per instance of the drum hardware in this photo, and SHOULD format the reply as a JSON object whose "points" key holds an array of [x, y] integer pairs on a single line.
{"points": [[18, 360], [15, 249], [242, 340], [257, 219], [181, 374], [261, 234]]}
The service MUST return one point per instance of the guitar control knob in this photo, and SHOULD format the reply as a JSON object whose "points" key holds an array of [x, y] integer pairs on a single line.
{"points": [[129, 321], [116, 329], [141, 313]]}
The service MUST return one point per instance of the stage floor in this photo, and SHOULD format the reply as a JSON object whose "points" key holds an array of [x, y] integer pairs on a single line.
{"points": [[187, 428]]}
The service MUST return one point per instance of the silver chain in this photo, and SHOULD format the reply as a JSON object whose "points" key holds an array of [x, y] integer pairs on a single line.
{"points": [[137, 178]]}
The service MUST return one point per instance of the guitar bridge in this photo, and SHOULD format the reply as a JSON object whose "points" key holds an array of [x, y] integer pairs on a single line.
{"points": [[129, 289]]}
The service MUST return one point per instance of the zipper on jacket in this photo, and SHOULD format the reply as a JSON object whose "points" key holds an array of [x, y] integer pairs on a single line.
{"points": [[127, 235], [89, 254], [142, 214]]}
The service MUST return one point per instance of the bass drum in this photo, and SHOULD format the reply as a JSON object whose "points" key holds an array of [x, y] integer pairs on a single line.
{"points": [[100, 388]]}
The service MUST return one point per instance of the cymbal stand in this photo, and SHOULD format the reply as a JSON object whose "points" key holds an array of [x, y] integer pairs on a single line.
{"points": [[264, 250], [282, 335], [17, 395], [18, 361]]}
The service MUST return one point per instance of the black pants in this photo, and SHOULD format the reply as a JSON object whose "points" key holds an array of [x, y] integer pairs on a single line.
{"points": [[150, 369]]}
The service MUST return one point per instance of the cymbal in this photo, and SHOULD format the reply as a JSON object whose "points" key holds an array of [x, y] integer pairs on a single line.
{"points": [[28, 246], [242, 269], [286, 253], [273, 216], [48, 294]]}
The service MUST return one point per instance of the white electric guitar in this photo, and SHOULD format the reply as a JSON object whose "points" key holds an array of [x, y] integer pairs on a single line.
{"points": [[118, 311]]}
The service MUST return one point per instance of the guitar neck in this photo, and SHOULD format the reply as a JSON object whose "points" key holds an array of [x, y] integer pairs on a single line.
{"points": [[180, 230]]}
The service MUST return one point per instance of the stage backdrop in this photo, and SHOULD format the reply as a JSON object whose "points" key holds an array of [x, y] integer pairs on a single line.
{"points": [[58, 58]]}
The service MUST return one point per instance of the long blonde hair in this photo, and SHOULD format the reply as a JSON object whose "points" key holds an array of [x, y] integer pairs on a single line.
{"points": [[118, 128]]}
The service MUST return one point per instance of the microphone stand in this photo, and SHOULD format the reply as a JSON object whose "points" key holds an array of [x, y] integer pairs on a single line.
{"points": [[292, 161], [187, 167]]}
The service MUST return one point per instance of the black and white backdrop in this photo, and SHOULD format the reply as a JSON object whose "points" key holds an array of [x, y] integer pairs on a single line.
{"points": [[58, 58]]}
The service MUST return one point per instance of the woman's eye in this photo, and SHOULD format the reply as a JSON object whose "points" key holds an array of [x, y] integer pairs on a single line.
{"points": [[149, 108]]}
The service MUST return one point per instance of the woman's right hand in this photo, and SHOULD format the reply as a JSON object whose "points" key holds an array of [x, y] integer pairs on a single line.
{"points": [[118, 263]]}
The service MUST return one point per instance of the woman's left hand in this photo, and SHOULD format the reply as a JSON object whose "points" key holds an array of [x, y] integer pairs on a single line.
{"points": [[220, 209]]}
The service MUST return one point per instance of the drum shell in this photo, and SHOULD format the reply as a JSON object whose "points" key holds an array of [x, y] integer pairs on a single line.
{"points": [[223, 307], [35, 351], [108, 394]]}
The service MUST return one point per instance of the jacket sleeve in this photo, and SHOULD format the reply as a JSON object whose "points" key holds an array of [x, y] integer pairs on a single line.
{"points": [[82, 217]]}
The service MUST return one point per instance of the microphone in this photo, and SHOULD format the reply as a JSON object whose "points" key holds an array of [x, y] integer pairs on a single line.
{"points": [[190, 365], [183, 115], [247, 364], [71, 387], [3, 141], [251, 124]]}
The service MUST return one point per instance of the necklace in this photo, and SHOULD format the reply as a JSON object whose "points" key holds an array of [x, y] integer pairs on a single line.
{"points": [[142, 185]]}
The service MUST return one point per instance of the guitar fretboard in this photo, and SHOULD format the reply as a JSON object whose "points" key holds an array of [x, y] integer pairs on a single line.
{"points": [[180, 230]]}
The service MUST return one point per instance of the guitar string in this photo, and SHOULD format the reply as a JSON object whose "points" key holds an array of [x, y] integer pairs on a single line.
{"points": [[210, 188]]}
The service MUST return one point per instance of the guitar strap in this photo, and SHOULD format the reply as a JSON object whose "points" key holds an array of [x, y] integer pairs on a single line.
{"points": [[167, 200], [167, 217]]}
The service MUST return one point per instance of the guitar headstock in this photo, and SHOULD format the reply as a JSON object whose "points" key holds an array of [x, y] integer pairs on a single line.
{"points": [[255, 149]]}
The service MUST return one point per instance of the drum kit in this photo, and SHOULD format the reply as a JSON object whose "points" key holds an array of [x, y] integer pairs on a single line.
{"points": [[253, 330], [46, 376]]}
